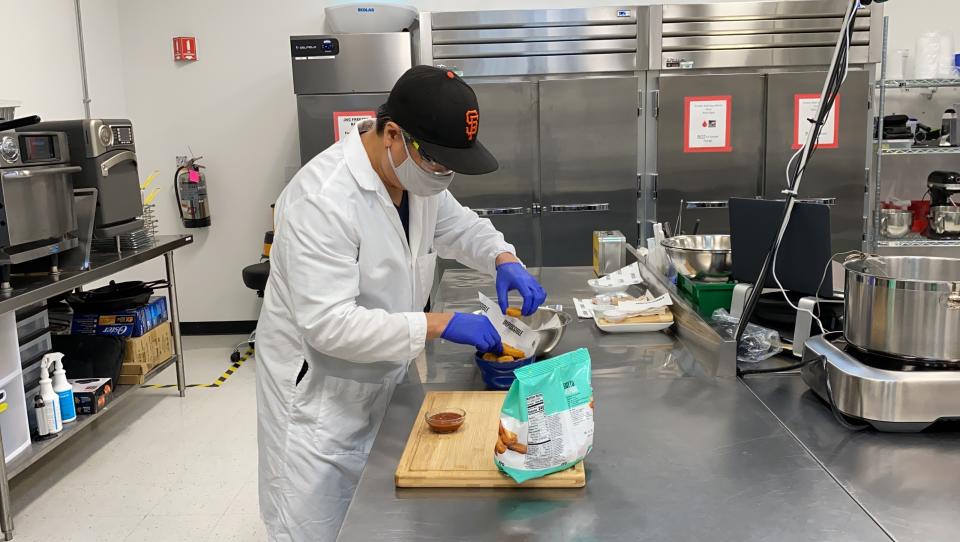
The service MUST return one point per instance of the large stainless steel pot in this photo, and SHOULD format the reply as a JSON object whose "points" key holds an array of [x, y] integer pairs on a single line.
{"points": [[905, 306]]}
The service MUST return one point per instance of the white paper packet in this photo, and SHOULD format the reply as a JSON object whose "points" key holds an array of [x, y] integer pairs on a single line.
{"points": [[512, 331]]}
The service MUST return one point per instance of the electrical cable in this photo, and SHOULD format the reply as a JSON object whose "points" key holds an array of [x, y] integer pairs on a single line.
{"points": [[839, 66], [839, 416], [770, 370]]}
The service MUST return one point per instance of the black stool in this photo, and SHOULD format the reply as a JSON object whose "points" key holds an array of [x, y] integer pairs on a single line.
{"points": [[255, 276]]}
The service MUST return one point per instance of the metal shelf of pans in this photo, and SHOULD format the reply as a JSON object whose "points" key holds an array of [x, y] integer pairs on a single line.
{"points": [[917, 241], [921, 150], [919, 83]]}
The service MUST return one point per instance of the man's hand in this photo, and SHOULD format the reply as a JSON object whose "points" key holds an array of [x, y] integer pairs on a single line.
{"points": [[463, 328], [512, 275]]}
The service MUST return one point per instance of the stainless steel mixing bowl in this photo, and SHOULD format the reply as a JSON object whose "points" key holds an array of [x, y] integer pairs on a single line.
{"points": [[550, 335], [701, 257], [895, 223], [550, 330]]}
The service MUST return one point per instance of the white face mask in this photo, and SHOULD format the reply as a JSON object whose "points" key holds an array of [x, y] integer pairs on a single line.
{"points": [[414, 179]]}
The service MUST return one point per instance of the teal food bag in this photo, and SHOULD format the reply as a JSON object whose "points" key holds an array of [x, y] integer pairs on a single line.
{"points": [[546, 422]]}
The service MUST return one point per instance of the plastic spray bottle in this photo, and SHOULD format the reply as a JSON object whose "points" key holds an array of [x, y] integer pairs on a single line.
{"points": [[51, 403], [63, 389]]}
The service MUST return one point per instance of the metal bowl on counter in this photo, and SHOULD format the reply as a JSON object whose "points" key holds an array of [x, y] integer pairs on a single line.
{"points": [[904, 306], [549, 323], [701, 257]]}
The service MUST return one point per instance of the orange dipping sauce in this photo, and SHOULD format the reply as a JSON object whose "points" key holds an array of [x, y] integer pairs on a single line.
{"points": [[446, 420]]}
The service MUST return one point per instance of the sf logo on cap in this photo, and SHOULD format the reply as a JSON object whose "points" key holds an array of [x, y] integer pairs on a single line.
{"points": [[473, 123]]}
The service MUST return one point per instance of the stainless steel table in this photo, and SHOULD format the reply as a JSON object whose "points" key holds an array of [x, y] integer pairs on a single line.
{"points": [[909, 481], [678, 455], [32, 289]]}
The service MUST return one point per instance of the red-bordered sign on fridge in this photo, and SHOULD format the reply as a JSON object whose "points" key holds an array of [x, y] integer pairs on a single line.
{"points": [[805, 107], [344, 121], [706, 123]]}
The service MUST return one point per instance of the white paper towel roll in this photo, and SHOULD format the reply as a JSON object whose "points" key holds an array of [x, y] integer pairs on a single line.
{"points": [[945, 69]]}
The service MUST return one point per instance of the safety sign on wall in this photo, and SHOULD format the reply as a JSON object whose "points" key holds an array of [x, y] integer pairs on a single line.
{"points": [[706, 123], [805, 107], [344, 121]]}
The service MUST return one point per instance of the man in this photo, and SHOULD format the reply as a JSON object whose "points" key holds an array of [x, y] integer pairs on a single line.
{"points": [[358, 232]]}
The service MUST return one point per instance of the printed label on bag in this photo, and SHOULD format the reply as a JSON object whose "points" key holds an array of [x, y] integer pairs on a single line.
{"points": [[512, 330]]}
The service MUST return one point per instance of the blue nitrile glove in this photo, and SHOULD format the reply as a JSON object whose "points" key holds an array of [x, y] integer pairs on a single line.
{"points": [[475, 330], [514, 276]]}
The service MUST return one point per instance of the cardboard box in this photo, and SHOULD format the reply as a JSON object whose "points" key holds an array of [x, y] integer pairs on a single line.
{"points": [[141, 354], [90, 395], [129, 323]]}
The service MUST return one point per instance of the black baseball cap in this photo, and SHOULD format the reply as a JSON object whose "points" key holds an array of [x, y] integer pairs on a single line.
{"points": [[440, 111]]}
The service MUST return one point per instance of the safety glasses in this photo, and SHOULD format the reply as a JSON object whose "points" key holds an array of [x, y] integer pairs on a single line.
{"points": [[427, 163]]}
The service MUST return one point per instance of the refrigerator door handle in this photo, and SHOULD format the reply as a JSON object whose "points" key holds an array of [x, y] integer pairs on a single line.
{"points": [[501, 211], [579, 208], [718, 204], [821, 201]]}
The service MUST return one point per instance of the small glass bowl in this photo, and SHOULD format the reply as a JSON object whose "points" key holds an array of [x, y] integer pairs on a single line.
{"points": [[445, 420]]}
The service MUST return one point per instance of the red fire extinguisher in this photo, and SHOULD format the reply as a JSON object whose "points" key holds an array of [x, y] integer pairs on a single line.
{"points": [[190, 184]]}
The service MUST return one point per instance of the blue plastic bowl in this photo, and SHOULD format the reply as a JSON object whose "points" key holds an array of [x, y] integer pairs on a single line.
{"points": [[499, 375]]}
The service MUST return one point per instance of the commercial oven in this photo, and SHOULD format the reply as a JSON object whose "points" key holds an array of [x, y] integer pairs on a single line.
{"points": [[105, 151], [559, 93], [732, 86]]}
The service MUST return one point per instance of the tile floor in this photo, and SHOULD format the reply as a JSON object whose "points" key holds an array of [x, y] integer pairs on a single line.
{"points": [[159, 468]]}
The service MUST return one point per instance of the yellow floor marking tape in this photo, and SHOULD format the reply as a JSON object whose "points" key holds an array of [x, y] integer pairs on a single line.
{"points": [[219, 382]]}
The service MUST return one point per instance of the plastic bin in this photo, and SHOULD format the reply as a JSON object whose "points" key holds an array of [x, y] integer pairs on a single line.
{"points": [[706, 296], [35, 347], [31, 325], [30, 310], [31, 373], [14, 425]]}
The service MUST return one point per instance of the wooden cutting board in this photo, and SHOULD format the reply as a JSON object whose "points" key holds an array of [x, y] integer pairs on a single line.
{"points": [[465, 458]]}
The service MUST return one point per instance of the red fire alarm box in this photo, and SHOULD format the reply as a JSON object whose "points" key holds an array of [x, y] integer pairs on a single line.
{"points": [[184, 48]]}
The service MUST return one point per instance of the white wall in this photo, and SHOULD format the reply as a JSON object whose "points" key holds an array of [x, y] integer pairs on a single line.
{"points": [[235, 106], [47, 82]]}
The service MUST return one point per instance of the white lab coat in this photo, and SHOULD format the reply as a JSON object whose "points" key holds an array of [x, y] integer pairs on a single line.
{"points": [[346, 295]]}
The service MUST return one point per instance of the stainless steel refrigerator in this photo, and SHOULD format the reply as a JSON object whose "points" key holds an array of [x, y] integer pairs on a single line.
{"points": [[559, 93], [762, 64], [342, 78]]}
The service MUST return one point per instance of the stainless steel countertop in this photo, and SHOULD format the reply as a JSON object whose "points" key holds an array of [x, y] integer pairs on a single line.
{"points": [[909, 481], [678, 455]]}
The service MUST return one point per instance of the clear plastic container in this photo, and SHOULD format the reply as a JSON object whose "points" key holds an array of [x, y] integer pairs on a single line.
{"points": [[36, 347], [31, 373], [31, 325]]}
